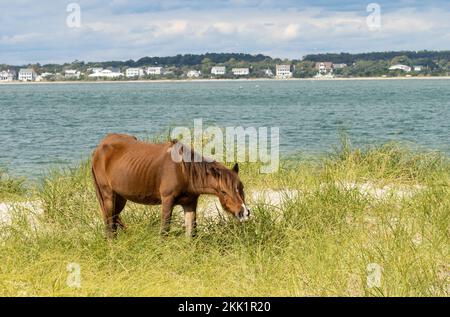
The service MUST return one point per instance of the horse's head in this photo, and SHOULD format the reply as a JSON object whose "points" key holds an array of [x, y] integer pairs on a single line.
{"points": [[230, 191]]}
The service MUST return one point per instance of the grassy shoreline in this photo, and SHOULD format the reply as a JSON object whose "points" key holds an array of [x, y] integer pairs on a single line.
{"points": [[320, 242]]}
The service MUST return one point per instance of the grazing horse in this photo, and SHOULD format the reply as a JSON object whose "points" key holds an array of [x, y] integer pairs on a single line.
{"points": [[125, 169]]}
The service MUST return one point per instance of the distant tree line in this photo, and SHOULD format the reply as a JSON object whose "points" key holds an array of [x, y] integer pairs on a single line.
{"points": [[348, 58], [358, 65], [184, 60], [194, 59]]}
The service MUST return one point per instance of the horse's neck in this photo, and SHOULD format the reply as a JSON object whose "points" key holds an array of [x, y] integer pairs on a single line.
{"points": [[205, 190], [206, 186]]}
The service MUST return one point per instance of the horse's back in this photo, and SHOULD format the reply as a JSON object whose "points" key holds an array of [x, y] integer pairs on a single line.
{"points": [[117, 145], [130, 167]]}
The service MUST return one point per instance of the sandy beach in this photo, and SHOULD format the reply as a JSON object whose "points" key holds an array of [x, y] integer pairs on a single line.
{"points": [[210, 206]]}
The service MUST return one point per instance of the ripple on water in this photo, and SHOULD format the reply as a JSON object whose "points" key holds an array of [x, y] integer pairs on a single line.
{"points": [[44, 125]]}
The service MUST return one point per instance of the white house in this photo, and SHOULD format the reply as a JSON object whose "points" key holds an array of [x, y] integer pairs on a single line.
{"points": [[71, 74], [324, 67], [95, 69], [46, 74], [418, 68], [283, 71], [134, 72], [154, 70], [339, 65], [324, 70], [27, 74], [7, 75], [218, 70], [268, 72], [106, 73], [400, 67], [193, 73], [240, 71]]}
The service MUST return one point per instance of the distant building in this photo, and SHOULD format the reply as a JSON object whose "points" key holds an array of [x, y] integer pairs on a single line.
{"points": [[418, 68], [106, 73], [154, 70], [240, 71], [193, 73], [95, 69], [324, 67], [268, 72], [46, 75], [7, 75], [404, 68], [27, 74], [339, 65], [283, 71], [324, 70], [134, 72], [218, 70], [114, 69], [71, 74]]}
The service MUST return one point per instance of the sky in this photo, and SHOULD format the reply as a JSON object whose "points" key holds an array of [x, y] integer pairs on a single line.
{"points": [[49, 31]]}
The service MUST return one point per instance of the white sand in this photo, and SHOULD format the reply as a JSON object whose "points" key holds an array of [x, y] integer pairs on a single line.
{"points": [[210, 207], [7, 210], [370, 189]]}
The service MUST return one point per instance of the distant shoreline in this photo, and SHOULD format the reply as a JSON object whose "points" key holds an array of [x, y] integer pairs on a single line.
{"points": [[217, 80]]}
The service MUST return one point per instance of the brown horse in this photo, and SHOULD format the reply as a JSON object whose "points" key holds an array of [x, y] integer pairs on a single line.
{"points": [[124, 169]]}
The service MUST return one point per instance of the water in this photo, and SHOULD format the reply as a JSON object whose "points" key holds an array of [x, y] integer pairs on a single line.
{"points": [[57, 124]]}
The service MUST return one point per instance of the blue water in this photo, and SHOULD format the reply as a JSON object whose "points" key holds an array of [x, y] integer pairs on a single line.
{"points": [[57, 124]]}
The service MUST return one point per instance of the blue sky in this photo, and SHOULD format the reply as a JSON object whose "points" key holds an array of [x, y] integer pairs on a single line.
{"points": [[36, 31]]}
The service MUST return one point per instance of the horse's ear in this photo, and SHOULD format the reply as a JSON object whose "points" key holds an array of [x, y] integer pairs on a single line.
{"points": [[236, 168]]}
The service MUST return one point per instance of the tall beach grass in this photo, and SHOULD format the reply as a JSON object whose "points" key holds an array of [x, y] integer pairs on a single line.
{"points": [[11, 188], [322, 242]]}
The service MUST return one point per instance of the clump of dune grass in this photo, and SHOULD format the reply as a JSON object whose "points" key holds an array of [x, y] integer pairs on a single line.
{"points": [[322, 242], [11, 187], [390, 162]]}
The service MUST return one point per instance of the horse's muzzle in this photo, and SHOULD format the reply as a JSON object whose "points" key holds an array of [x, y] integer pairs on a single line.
{"points": [[244, 213]]}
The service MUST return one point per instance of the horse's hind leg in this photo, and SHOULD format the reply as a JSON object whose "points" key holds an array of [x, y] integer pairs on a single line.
{"points": [[108, 212], [119, 204], [105, 197]]}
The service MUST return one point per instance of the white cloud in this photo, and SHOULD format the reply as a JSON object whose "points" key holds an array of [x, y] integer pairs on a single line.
{"points": [[290, 32], [20, 38], [224, 27], [281, 32], [104, 27], [177, 27], [410, 20]]}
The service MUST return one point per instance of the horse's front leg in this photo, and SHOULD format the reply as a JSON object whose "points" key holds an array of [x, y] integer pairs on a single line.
{"points": [[190, 218], [166, 214]]}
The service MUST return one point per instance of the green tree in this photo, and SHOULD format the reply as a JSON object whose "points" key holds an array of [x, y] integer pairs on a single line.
{"points": [[402, 59], [206, 65], [304, 69]]}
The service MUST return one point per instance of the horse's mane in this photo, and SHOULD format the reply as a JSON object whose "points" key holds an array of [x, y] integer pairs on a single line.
{"points": [[197, 172]]}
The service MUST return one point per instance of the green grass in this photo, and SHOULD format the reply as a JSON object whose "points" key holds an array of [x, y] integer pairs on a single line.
{"points": [[320, 244], [11, 188]]}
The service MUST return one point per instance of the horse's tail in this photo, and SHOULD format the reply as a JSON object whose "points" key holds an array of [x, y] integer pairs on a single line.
{"points": [[97, 188]]}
